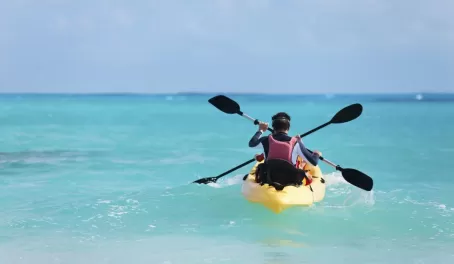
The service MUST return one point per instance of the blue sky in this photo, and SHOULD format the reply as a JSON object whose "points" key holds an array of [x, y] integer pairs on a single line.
{"points": [[306, 46]]}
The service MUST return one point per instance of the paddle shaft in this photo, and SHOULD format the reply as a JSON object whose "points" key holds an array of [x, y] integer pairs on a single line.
{"points": [[233, 169], [256, 122], [327, 161]]}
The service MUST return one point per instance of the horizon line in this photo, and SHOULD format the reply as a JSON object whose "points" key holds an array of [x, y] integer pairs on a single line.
{"points": [[226, 93]]}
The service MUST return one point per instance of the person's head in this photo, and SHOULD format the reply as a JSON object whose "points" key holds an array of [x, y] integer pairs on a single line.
{"points": [[281, 122]]}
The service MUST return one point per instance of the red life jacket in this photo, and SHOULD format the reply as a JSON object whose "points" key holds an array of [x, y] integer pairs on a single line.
{"points": [[284, 150], [280, 149]]}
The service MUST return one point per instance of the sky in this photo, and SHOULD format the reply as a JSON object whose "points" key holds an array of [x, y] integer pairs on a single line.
{"points": [[259, 46]]}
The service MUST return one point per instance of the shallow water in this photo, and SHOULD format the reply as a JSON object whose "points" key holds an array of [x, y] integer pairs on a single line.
{"points": [[105, 179]]}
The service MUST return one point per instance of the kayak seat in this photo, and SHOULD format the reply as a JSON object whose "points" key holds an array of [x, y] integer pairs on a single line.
{"points": [[280, 173]]}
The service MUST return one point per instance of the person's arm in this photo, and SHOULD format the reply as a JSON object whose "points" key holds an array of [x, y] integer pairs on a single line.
{"points": [[255, 140], [313, 158]]}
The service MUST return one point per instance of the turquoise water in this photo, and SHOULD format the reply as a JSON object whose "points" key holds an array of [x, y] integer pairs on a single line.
{"points": [[105, 179]]}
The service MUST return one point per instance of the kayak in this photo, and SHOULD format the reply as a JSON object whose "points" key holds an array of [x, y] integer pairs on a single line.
{"points": [[290, 196]]}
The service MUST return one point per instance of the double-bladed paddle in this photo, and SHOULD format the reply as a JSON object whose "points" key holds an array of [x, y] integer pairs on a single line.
{"points": [[346, 114], [228, 106]]}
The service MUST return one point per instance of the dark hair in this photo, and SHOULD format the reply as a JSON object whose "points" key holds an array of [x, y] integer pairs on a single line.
{"points": [[281, 121]]}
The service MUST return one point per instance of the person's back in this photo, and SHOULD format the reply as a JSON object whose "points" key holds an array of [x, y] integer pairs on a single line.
{"points": [[280, 146]]}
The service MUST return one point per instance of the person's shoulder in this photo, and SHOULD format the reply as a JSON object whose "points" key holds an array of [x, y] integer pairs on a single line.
{"points": [[263, 138], [286, 137]]}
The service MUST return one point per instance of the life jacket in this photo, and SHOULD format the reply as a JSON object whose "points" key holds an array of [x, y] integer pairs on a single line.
{"points": [[281, 150]]}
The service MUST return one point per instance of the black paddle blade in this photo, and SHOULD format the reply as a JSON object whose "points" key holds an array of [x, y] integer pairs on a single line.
{"points": [[206, 180], [225, 104], [358, 179], [347, 114]]}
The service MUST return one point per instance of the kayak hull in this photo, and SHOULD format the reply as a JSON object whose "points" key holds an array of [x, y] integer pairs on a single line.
{"points": [[290, 196]]}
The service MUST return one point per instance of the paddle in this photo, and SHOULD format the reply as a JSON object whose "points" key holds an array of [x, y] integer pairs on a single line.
{"points": [[349, 113], [214, 179], [346, 114], [229, 106]]}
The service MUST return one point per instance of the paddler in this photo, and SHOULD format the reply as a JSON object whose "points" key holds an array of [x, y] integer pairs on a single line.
{"points": [[280, 145]]}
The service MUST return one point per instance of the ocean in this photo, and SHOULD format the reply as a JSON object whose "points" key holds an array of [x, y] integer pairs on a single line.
{"points": [[107, 179]]}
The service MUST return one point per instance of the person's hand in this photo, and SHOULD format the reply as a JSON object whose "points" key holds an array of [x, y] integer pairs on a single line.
{"points": [[259, 157], [298, 137], [263, 126], [317, 152]]}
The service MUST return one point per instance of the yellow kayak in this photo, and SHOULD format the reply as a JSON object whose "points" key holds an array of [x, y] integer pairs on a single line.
{"points": [[290, 196]]}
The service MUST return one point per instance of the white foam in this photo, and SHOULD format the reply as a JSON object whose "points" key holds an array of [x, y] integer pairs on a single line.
{"points": [[222, 183], [334, 178], [336, 185], [104, 201]]}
